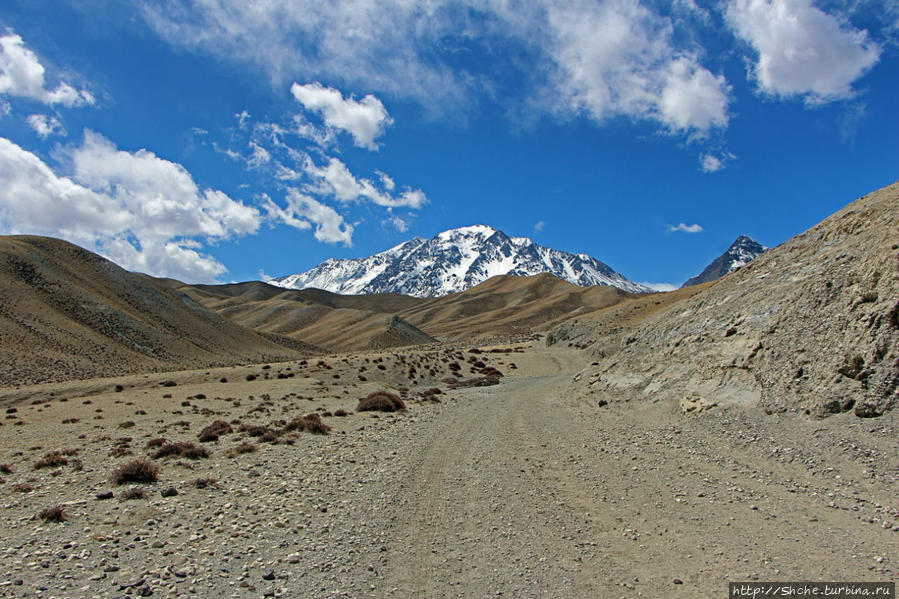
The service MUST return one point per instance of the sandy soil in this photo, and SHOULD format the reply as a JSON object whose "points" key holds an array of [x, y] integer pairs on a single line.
{"points": [[522, 489]]}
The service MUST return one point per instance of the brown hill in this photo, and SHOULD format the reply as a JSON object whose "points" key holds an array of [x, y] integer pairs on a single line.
{"points": [[509, 305], [810, 326], [67, 313], [501, 306], [328, 320]]}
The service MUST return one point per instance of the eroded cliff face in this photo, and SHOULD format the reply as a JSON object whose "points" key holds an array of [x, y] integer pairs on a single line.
{"points": [[810, 326]]}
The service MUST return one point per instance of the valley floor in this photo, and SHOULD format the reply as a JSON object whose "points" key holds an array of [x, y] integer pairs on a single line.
{"points": [[523, 489]]}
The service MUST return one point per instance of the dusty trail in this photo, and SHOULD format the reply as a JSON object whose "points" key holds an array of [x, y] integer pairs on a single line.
{"points": [[523, 489], [517, 490]]}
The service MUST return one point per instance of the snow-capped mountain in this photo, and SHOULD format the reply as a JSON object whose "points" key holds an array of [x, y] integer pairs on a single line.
{"points": [[452, 261], [741, 252]]}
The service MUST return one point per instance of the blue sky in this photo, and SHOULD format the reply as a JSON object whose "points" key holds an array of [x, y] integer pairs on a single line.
{"points": [[221, 140]]}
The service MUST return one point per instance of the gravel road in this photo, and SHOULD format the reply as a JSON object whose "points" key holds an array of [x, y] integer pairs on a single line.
{"points": [[515, 490]]}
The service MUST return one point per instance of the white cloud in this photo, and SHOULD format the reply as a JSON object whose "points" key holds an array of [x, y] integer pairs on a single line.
{"points": [[386, 181], [22, 74], [44, 125], [329, 225], [336, 179], [693, 98], [660, 286], [801, 49], [397, 223], [617, 58], [364, 119], [602, 58], [259, 156], [141, 211], [685, 228], [711, 163], [540, 225]]}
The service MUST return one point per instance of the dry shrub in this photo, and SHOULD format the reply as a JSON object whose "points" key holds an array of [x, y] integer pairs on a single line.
{"points": [[206, 483], [53, 459], [56, 513], [23, 488], [140, 470], [254, 430], [157, 442], [214, 431], [341, 412], [270, 436], [380, 401], [126, 424], [241, 449], [6, 468], [135, 493], [311, 422], [182, 450]]}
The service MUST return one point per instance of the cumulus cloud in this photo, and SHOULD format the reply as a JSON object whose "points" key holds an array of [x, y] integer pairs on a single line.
{"points": [[618, 58], [44, 125], [22, 74], [336, 180], [139, 210], [364, 119], [685, 228], [603, 58], [539, 225], [303, 212], [801, 49]]}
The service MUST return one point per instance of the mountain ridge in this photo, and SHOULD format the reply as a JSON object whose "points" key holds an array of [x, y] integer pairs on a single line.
{"points": [[452, 261]]}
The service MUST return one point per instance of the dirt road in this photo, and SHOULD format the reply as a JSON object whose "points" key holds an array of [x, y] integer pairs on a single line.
{"points": [[523, 489]]}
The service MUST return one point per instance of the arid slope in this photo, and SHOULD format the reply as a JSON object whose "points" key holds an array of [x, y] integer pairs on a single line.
{"points": [[67, 313], [810, 326]]}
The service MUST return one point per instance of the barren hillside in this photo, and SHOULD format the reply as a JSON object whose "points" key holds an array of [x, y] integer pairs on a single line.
{"points": [[67, 313], [810, 326]]}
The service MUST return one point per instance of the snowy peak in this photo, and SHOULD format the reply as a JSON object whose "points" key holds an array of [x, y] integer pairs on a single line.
{"points": [[741, 252], [452, 261]]}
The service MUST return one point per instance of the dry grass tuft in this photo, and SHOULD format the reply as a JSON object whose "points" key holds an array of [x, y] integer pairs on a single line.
{"points": [[206, 483], [182, 450], [135, 493], [53, 459], [56, 513], [140, 470], [380, 401], [311, 422], [245, 447], [214, 431]]}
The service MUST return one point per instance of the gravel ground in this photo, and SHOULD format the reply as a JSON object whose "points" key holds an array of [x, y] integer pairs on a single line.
{"points": [[522, 489]]}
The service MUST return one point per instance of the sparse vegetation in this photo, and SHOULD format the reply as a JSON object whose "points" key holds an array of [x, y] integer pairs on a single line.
{"points": [[135, 493], [245, 447], [381, 401], [205, 483], [140, 470], [187, 450], [214, 431], [311, 422], [57, 513], [54, 459]]}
